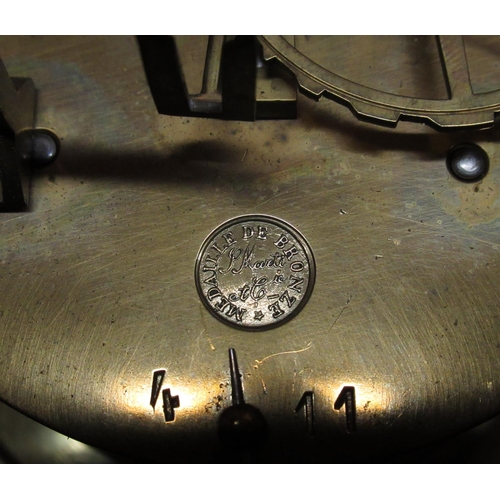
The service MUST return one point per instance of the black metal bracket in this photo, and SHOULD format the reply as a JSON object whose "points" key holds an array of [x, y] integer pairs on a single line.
{"points": [[237, 83], [17, 114]]}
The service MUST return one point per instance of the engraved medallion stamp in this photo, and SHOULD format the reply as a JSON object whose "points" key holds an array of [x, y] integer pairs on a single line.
{"points": [[255, 272]]}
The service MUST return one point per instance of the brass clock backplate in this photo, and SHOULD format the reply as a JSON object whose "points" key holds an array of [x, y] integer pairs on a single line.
{"points": [[99, 301]]}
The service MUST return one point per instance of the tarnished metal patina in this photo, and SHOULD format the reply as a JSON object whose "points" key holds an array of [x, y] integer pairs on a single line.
{"points": [[107, 333]]}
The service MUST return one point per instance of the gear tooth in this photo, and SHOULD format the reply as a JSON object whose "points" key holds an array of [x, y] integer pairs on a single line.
{"points": [[311, 87], [386, 116], [378, 106], [473, 119], [268, 43], [267, 52]]}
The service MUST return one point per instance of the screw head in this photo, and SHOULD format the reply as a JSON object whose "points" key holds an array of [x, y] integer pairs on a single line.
{"points": [[467, 162], [39, 147]]}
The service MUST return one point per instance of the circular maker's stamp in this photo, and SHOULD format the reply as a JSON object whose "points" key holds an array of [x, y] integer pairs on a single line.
{"points": [[255, 272]]}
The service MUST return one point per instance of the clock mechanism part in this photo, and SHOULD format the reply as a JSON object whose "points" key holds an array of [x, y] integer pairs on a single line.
{"points": [[462, 107], [238, 84], [22, 147], [118, 311], [241, 425]]}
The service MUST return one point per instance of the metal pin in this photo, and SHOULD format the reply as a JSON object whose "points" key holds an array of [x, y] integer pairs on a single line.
{"points": [[39, 146], [241, 425], [468, 162], [236, 385]]}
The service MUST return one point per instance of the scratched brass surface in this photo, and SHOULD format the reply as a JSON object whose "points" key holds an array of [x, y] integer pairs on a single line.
{"points": [[98, 288]]}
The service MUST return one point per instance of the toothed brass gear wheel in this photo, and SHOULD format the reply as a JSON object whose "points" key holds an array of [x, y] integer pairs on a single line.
{"points": [[463, 108]]}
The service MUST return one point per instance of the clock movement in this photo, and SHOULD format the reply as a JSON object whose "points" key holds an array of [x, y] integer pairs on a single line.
{"points": [[269, 248]]}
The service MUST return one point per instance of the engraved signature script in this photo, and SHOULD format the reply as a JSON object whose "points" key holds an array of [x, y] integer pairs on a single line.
{"points": [[244, 259], [255, 272]]}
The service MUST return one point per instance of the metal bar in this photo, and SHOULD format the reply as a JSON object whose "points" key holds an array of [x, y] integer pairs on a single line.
{"points": [[455, 67], [236, 386]]}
